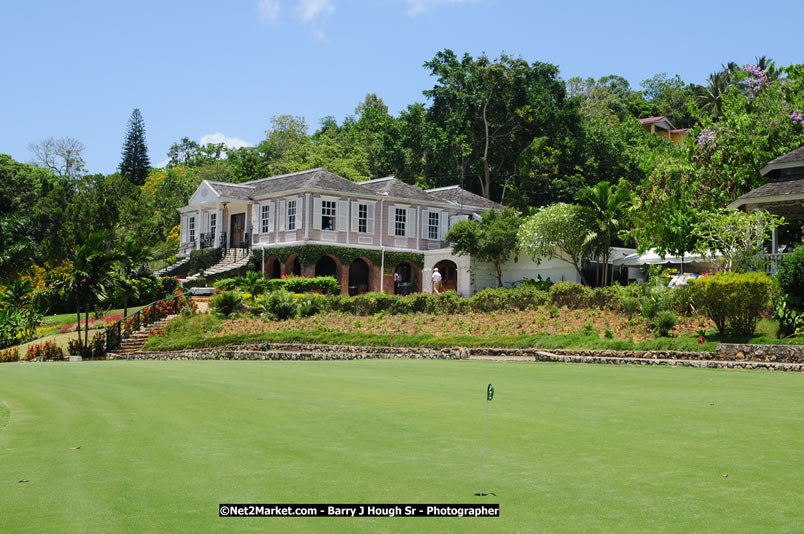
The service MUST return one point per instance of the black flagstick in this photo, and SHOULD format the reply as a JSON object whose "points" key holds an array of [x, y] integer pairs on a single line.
{"points": [[489, 396]]}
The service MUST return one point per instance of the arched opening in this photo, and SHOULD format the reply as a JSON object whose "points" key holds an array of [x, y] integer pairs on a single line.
{"points": [[405, 281], [449, 275], [358, 277], [292, 266], [273, 268], [325, 267]]}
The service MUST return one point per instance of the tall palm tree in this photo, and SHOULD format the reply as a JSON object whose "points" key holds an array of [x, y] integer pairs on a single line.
{"points": [[94, 278], [604, 207]]}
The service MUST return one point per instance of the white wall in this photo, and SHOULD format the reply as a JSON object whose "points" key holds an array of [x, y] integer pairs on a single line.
{"points": [[485, 276]]}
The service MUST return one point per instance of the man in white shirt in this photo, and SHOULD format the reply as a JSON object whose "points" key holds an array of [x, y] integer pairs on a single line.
{"points": [[436, 281]]}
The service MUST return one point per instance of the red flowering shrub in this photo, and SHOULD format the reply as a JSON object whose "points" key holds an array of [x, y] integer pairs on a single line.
{"points": [[10, 355], [46, 351]]}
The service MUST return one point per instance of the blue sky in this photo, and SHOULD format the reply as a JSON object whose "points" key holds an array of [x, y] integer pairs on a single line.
{"points": [[215, 70]]}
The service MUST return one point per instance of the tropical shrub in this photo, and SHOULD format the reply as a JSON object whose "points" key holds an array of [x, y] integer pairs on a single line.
{"points": [[278, 305], [447, 302], [569, 294], [226, 303], [733, 300], [789, 318], [664, 322], [605, 298], [791, 277], [373, 302]]}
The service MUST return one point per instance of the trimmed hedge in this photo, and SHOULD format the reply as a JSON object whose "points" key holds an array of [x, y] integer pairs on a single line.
{"points": [[733, 301], [294, 284]]}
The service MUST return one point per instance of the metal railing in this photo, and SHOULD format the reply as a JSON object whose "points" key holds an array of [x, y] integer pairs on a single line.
{"points": [[770, 262], [149, 314], [160, 262]]}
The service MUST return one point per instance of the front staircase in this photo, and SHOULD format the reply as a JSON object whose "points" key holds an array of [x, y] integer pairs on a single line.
{"points": [[235, 258], [136, 340]]}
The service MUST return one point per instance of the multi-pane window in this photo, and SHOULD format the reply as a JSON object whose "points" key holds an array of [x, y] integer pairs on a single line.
{"points": [[362, 218], [328, 211], [191, 228], [400, 222], [291, 215], [213, 222], [433, 225], [265, 214]]}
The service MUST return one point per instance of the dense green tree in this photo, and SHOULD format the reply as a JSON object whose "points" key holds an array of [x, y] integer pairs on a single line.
{"points": [[135, 163], [485, 113], [493, 239], [17, 248]]}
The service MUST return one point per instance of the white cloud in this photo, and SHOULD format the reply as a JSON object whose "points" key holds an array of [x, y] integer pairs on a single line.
{"points": [[229, 142], [310, 9], [268, 10], [416, 7]]}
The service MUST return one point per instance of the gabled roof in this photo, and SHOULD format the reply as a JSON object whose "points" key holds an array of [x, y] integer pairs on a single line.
{"points": [[314, 179], [461, 197], [395, 189], [233, 191], [791, 159], [662, 122], [789, 185]]}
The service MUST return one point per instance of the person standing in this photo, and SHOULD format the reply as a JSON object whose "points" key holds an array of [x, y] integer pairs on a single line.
{"points": [[396, 282], [436, 280]]}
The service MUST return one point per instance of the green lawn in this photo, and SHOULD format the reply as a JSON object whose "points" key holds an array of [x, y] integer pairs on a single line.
{"points": [[571, 448]]}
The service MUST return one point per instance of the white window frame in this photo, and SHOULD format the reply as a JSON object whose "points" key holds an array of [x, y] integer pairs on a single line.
{"points": [[362, 218], [213, 222], [291, 210], [400, 222], [265, 218], [433, 225], [191, 228], [329, 208]]}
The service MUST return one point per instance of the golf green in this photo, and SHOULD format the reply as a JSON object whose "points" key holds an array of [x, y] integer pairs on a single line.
{"points": [[156, 446]]}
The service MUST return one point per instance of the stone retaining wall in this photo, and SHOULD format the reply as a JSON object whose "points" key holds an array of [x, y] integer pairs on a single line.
{"points": [[770, 357], [768, 366], [362, 353]]}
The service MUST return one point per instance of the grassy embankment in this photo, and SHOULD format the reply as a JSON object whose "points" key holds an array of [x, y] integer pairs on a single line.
{"points": [[207, 330]]}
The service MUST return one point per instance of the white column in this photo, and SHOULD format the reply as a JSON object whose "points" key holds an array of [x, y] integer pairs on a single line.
{"points": [[198, 226], [775, 241], [218, 224]]}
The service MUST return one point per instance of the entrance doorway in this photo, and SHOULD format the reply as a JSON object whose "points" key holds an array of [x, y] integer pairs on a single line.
{"points": [[449, 275], [358, 277], [238, 226], [404, 284]]}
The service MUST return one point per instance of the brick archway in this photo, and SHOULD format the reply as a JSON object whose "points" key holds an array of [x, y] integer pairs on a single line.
{"points": [[410, 274], [272, 268], [292, 266]]}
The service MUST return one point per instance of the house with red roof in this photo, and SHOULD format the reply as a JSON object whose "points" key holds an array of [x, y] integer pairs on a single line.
{"points": [[663, 127]]}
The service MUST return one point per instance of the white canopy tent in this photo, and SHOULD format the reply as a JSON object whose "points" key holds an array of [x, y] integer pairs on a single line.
{"points": [[651, 257]]}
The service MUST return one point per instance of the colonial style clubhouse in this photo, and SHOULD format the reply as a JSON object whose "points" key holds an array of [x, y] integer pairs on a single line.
{"points": [[376, 219]]}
